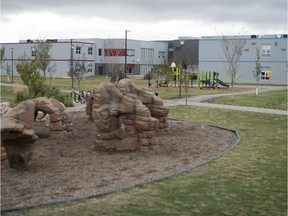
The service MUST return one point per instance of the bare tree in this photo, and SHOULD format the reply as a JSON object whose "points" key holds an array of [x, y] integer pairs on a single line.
{"points": [[6, 67], [113, 58], [78, 70], [233, 49], [258, 69], [2, 54], [42, 54]]}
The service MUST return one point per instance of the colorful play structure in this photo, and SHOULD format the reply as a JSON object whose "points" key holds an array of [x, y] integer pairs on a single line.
{"points": [[201, 79]]}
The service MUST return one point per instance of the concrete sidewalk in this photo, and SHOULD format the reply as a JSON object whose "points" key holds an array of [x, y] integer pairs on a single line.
{"points": [[199, 100]]}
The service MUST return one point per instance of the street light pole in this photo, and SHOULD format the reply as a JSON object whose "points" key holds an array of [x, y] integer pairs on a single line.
{"points": [[12, 52], [125, 64], [186, 96], [71, 62]]}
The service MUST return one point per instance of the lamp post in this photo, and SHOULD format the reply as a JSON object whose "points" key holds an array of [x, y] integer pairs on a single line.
{"points": [[182, 43], [125, 64], [12, 52], [71, 62]]}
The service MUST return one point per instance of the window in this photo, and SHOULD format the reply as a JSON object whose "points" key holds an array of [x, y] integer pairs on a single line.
{"points": [[265, 73], [266, 50], [161, 54], [130, 52], [33, 52], [90, 67], [99, 52], [150, 53], [78, 50], [147, 53], [90, 50]]}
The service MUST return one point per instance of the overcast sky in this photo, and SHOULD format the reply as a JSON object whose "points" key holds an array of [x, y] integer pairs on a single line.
{"points": [[147, 19]]}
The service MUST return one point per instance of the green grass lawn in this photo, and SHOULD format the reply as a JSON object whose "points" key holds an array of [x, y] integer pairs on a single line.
{"points": [[249, 180], [90, 82], [271, 100]]}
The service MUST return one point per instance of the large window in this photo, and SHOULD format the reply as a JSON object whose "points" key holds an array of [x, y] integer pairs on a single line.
{"points": [[147, 53], [130, 52], [161, 54], [266, 50]]}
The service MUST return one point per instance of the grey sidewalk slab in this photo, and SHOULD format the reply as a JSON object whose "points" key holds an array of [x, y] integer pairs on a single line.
{"points": [[229, 107]]}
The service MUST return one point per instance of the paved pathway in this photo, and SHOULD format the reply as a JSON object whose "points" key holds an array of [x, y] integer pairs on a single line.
{"points": [[199, 100]]}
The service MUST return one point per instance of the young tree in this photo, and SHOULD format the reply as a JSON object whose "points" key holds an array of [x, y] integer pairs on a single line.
{"points": [[6, 67], [42, 54], [78, 70], [30, 75], [233, 49], [2, 54], [258, 69], [113, 58]]}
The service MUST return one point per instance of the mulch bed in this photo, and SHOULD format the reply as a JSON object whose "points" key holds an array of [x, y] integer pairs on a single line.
{"points": [[71, 168]]}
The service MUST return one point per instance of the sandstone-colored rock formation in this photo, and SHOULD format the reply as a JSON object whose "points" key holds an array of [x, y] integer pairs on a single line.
{"points": [[4, 107], [17, 129], [150, 100], [126, 117]]}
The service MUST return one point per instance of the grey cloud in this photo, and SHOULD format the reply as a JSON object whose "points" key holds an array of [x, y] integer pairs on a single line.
{"points": [[264, 12]]}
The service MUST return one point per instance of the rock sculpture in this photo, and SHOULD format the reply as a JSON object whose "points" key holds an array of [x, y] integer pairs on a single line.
{"points": [[126, 117], [17, 129], [4, 107]]}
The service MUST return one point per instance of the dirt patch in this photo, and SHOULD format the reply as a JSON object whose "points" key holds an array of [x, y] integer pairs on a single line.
{"points": [[71, 167]]}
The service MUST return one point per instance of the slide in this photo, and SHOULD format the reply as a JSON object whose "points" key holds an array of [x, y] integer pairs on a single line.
{"points": [[222, 83]]}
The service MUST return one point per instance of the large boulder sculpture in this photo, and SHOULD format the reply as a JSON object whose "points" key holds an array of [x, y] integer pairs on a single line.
{"points": [[122, 120], [17, 129]]}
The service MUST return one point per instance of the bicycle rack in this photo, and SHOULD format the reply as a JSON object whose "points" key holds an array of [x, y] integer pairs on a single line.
{"points": [[80, 97]]}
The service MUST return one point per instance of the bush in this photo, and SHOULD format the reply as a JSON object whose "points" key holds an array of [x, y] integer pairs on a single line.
{"points": [[45, 91], [55, 93], [20, 97]]}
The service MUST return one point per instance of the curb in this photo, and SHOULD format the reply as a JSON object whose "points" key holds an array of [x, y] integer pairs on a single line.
{"points": [[99, 195]]}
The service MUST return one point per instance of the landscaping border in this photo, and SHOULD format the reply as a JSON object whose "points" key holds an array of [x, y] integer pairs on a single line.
{"points": [[181, 171]]}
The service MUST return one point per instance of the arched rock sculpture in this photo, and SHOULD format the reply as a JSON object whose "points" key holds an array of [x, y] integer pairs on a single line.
{"points": [[126, 117], [17, 129]]}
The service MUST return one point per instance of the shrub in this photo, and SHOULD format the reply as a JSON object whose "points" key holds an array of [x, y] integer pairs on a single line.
{"points": [[55, 93], [44, 92]]}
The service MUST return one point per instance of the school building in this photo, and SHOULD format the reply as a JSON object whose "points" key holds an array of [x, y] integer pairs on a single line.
{"points": [[201, 54]]}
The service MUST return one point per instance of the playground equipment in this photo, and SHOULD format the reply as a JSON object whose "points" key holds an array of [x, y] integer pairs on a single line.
{"points": [[209, 79], [126, 117], [17, 130], [204, 79]]}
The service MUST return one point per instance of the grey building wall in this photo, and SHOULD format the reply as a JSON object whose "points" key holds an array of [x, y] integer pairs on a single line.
{"points": [[211, 58], [189, 51], [61, 53], [142, 55]]}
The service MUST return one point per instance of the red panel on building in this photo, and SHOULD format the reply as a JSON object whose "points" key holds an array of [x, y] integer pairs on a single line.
{"points": [[114, 52]]}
